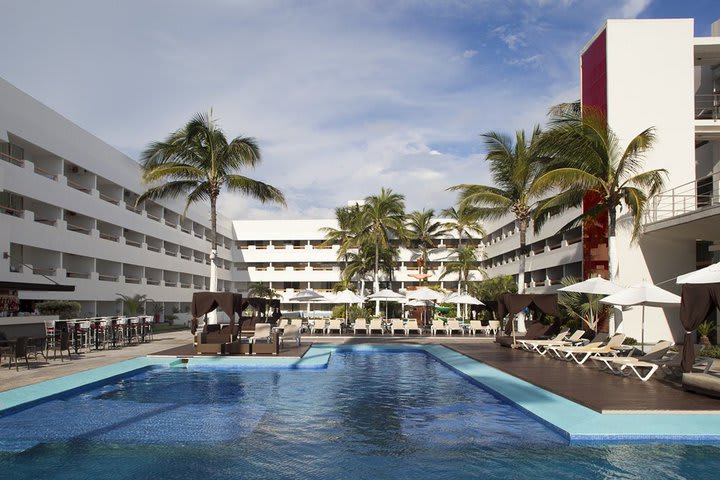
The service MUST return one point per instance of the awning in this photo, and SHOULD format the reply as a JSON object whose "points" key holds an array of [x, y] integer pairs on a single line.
{"points": [[36, 287]]}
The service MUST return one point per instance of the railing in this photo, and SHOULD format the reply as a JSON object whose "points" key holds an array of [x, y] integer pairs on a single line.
{"points": [[707, 106], [12, 211], [46, 221], [78, 229], [107, 278], [108, 199], [133, 209], [184, 285], [153, 248], [185, 256], [45, 173], [133, 243], [690, 197], [170, 224], [70, 274], [132, 280], [107, 236], [198, 260], [170, 253], [153, 217], [15, 161], [157, 282], [49, 271], [185, 230], [77, 186]]}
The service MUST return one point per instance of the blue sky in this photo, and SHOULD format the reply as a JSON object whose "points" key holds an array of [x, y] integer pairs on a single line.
{"points": [[343, 96]]}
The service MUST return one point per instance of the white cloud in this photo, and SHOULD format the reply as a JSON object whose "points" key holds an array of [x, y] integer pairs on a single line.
{"points": [[633, 8], [469, 53], [532, 60]]}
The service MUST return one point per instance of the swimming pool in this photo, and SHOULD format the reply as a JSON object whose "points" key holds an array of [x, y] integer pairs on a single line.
{"points": [[369, 414]]}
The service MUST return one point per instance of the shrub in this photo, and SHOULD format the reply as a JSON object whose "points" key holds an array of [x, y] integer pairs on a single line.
{"points": [[712, 351], [630, 341], [61, 308], [355, 312]]}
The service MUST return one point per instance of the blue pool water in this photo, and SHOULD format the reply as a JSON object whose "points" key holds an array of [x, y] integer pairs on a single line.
{"points": [[368, 415]]}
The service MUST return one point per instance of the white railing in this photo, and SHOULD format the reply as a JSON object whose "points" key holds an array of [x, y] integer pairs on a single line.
{"points": [[690, 197], [707, 106]]}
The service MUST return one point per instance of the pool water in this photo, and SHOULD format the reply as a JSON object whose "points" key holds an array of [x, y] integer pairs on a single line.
{"points": [[368, 415]]}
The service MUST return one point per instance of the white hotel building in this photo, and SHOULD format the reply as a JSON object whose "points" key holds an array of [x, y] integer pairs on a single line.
{"points": [[67, 198]]}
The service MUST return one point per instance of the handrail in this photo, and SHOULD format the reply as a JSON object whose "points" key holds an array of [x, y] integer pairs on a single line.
{"points": [[707, 106], [108, 199], [45, 173], [46, 221], [15, 161], [77, 228], [107, 236], [78, 186], [698, 194], [12, 211], [70, 274]]}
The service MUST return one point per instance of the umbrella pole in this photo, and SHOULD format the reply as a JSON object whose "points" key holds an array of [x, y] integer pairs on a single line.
{"points": [[642, 332]]}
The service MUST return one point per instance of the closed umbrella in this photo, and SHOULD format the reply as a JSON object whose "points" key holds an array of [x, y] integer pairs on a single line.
{"points": [[645, 294]]}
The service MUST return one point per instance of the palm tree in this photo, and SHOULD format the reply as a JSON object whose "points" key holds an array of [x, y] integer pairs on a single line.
{"points": [[197, 162], [345, 234], [383, 217], [422, 227], [582, 306], [586, 158], [514, 167], [260, 290], [359, 265], [463, 221], [466, 260], [133, 305]]}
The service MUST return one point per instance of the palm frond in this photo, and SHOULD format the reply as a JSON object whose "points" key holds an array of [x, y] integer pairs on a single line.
{"points": [[255, 189]]}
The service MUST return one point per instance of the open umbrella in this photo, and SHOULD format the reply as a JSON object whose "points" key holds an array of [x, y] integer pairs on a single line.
{"points": [[425, 294], [345, 297], [645, 294], [462, 299], [710, 274], [387, 296], [306, 296], [593, 286]]}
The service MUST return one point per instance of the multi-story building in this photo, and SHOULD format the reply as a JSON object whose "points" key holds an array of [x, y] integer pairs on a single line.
{"points": [[68, 208]]}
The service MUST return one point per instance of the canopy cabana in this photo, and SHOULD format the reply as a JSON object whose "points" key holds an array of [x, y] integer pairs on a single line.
{"points": [[698, 301], [205, 302]]}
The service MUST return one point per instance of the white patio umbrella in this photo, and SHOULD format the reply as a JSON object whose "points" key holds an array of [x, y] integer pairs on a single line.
{"points": [[462, 299], [425, 294], [593, 286], [710, 274], [645, 294], [306, 296], [345, 297], [387, 296]]}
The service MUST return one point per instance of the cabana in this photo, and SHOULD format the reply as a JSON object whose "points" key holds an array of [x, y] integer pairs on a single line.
{"points": [[213, 337], [514, 303], [698, 301]]}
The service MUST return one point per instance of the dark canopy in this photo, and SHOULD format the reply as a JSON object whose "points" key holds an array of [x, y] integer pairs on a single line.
{"points": [[698, 301], [512, 303], [36, 287], [205, 302]]}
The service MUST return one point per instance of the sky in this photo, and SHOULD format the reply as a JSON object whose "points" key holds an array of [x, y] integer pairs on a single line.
{"points": [[344, 97]]}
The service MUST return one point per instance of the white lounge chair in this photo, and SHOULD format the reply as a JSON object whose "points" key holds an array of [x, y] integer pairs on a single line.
{"points": [[412, 326], [299, 323], [335, 325], [454, 326], [397, 326], [528, 344], [360, 325], [375, 326], [543, 346], [493, 327], [262, 333], [290, 333], [438, 326], [477, 326], [616, 365], [581, 354], [319, 325]]}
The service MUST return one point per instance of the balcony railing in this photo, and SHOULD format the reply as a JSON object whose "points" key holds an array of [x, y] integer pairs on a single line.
{"points": [[707, 106], [690, 197], [15, 161]]}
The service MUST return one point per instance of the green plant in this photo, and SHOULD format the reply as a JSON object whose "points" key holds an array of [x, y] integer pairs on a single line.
{"points": [[630, 341], [63, 309], [134, 305], [170, 318], [711, 351], [705, 328], [581, 306], [354, 312]]}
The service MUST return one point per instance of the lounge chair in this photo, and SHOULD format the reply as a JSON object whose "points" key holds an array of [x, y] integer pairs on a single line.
{"points": [[581, 354], [360, 325], [543, 346], [704, 382], [318, 325], [529, 344], [634, 364], [597, 341], [299, 323], [493, 327], [397, 326], [283, 322], [375, 326], [412, 326], [262, 333], [454, 326], [438, 326], [335, 325], [475, 326], [535, 331], [290, 333]]}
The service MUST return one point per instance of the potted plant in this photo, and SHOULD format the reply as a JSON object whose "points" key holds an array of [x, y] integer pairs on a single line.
{"points": [[704, 330]]}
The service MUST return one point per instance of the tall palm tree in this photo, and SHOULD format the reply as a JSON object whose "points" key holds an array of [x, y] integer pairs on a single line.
{"points": [[197, 162], [422, 227], [586, 157], [463, 221], [345, 234], [465, 261], [382, 218], [259, 289], [359, 265], [514, 167]]}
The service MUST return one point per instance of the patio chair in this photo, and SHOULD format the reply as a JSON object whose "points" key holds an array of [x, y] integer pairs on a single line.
{"points": [[438, 326], [335, 325], [290, 333], [299, 323], [375, 326], [397, 325], [360, 325], [581, 354], [318, 325], [454, 326], [62, 343], [477, 326], [492, 327], [528, 344], [283, 322], [412, 326], [263, 333], [704, 383], [597, 341], [543, 346], [618, 365]]}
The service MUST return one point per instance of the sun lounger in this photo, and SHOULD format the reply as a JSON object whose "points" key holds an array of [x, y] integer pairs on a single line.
{"points": [[454, 326], [620, 365], [438, 326], [704, 382], [262, 333], [597, 341], [475, 326], [543, 346], [335, 325], [581, 354], [529, 344], [535, 331], [397, 326], [360, 325], [290, 333], [319, 325], [375, 326], [412, 326]]}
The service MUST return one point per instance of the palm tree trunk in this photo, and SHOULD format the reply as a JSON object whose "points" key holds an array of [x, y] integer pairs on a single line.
{"points": [[521, 270], [376, 282], [212, 316], [612, 261]]}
